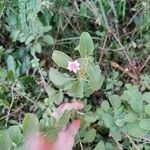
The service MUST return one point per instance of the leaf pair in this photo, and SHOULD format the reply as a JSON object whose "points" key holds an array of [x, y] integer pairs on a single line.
{"points": [[86, 48]]}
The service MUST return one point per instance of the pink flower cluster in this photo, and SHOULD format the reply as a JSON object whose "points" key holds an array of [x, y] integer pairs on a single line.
{"points": [[73, 66]]}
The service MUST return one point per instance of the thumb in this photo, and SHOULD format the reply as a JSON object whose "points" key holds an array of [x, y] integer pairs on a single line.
{"points": [[73, 128]]}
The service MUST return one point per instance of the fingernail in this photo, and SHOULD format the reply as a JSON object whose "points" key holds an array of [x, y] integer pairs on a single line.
{"points": [[77, 123]]}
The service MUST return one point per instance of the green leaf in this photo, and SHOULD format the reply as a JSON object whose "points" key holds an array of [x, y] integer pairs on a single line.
{"points": [[120, 122], [115, 101], [64, 120], [130, 117], [3, 88], [75, 89], [11, 75], [118, 111], [146, 97], [4, 102], [2, 6], [61, 59], [37, 47], [5, 141], [11, 63], [3, 74], [145, 124], [110, 146], [15, 134], [59, 97], [30, 124], [25, 65], [147, 109], [52, 133], [58, 78], [83, 10], [28, 39], [90, 136], [90, 117], [108, 120], [86, 45], [134, 98], [135, 130], [100, 146], [55, 96], [105, 106], [48, 39], [45, 29], [116, 134], [94, 76]]}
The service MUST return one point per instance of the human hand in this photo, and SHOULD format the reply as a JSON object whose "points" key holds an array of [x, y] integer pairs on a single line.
{"points": [[66, 137]]}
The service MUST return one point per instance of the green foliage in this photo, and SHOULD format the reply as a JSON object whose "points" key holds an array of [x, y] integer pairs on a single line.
{"points": [[15, 135], [105, 106], [87, 80], [24, 24], [90, 136], [100, 146], [61, 59], [145, 79], [145, 124], [54, 95], [135, 130], [147, 109], [34, 78], [11, 64], [95, 78], [86, 45], [57, 78], [112, 82], [63, 120], [127, 117], [30, 125], [5, 142]]}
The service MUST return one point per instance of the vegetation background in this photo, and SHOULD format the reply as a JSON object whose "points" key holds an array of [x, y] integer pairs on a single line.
{"points": [[117, 112]]}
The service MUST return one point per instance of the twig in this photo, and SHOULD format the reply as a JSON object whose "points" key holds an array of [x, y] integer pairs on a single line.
{"points": [[69, 22], [74, 38], [81, 145], [124, 50], [146, 61], [15, 111], [146, 139], [127, 135], [40, 72], [117, 66], [24, 96], [38, 97], [76, 6], [135, 30], [58, 29], [80, 142], [80, 113], [11, 104], [90, 5], [103, 49], [119, 146], [131, 19]]}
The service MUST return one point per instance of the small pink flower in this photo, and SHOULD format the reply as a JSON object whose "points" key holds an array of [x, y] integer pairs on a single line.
{"points": [[73, 66]]}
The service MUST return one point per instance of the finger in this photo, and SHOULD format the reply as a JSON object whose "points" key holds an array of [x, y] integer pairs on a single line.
{"points": [[38, 143], [77, 105], [67, 106], [73, 128]]}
